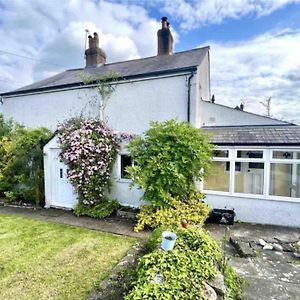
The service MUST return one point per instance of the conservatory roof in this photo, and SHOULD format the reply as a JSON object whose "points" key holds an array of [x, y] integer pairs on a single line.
{"points": [[254, 135]]}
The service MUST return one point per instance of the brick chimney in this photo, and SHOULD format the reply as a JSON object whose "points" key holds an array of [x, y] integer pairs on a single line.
{"points": [[164, 38], [94, 55]]}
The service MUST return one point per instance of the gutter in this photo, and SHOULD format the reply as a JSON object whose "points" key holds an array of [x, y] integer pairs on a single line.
{"points": [[189, 96]]}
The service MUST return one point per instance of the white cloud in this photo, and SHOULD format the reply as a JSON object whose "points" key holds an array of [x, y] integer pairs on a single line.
{"points": [[54, 31], [253, 70], [196, 13]]}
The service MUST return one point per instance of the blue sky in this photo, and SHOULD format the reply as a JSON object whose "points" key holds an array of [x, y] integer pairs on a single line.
{"points": [[255, 44]]}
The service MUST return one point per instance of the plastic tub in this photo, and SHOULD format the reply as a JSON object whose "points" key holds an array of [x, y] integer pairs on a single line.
{"points": [[168, 240]]}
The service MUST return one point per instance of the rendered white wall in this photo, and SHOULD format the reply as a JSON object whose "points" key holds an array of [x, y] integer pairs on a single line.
{"points": [[134, 105], [131, 107], [252, 210], [213, 114], [120, 187]]}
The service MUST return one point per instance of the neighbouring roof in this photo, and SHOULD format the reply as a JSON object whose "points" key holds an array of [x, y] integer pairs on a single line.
{"points": [[248, 113], [280, 135], [161, 64]]}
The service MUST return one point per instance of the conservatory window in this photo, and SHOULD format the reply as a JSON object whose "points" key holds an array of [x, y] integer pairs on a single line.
{"points": [[249, 171], [250, 179], [285, 180], [286, 155], [270, 173], [219, 176]]}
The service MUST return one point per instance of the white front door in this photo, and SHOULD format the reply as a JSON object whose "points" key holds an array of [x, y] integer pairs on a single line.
{"points": [[63, 194]]}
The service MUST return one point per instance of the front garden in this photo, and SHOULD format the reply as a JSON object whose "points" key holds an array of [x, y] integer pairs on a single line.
{"points": [[168, 162], [40, 260]]}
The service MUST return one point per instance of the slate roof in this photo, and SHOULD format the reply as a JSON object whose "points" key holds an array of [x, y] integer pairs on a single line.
{"points": [[281, 135], [155, 65]]}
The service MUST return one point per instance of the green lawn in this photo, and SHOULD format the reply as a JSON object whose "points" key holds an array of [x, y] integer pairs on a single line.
{"points": [[40, 260]]}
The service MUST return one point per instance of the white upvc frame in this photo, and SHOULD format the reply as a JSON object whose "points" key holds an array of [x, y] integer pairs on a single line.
{"points": [[119, 171], [267, 160]]}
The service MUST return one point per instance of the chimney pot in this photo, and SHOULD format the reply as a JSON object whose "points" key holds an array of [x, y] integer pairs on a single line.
{"points": [[94, 55], [164, 38]]}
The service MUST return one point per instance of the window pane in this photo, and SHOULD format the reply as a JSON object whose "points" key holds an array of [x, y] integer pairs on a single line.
{"points": [[249, 154], [218, 177], [221, 153], [285, 180], [126, 161], [286, 154], [250, 178]]}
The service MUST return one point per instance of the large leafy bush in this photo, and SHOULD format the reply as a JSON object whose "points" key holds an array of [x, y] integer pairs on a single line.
{"points": [[21, 162], [169, 159]]}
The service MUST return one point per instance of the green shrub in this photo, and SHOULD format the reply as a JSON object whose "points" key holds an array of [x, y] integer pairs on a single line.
{"points": [[168, 160], [21, 164], [104, 209], [234, 284], [177, 274], [194, 211], [5, 127], [182, 272]]}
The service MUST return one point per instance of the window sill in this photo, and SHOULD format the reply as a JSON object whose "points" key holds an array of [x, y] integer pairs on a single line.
{"points": [[123, 180], [253, 196]]}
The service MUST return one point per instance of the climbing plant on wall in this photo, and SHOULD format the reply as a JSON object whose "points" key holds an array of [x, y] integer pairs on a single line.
{"points": [[103, 87], [89, 148]]}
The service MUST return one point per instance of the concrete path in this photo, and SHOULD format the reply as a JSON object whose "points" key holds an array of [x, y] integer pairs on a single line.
{"points": [[271, 275], [113, 224]]}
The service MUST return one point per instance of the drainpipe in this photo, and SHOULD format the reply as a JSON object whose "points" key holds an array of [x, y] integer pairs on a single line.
{"points": [[189, 96]]}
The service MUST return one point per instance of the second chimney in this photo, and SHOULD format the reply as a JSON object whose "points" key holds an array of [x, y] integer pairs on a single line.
{"points": [[94, 55], [164, 38]]}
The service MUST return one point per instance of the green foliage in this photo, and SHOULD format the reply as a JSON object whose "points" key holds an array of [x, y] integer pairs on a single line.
{"points": [[193, 210], [5, 127], [103, 86], [21, 163], [234, 284], [168, 160], [99, 211], [103, 83], [177, 274], [89, 148]]}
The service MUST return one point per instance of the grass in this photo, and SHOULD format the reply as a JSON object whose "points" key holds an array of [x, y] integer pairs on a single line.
{"points": [[40, 260]]}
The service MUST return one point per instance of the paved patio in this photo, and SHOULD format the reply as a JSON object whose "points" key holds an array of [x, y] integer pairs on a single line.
{"points": [[271, 275]]}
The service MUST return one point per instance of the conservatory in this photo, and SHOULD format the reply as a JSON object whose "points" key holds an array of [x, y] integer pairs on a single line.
{"points": [[257, 173]]}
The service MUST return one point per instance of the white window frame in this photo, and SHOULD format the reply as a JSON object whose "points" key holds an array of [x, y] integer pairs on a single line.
{"points": [[119, 171], [267, 160]]}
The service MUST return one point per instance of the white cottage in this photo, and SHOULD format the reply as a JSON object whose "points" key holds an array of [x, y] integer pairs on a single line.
{"points": [[257, 161]]}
